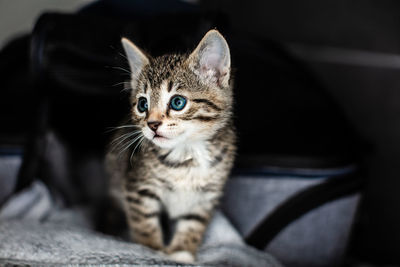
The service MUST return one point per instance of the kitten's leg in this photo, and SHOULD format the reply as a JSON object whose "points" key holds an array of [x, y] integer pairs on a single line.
{"points": [[188, 236], [143, 209]]}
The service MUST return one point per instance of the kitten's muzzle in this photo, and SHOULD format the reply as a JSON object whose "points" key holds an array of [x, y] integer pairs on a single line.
{"points": [[153, 125]]}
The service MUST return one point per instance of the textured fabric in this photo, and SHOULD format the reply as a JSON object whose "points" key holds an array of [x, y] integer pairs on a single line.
{"points": [[248, 199], [49, 244], [319, 238], [9, 166], [33, 203], [63, 237]]}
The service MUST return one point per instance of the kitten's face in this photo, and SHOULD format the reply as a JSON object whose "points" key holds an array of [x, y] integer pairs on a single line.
{"points": [[181, 99]]}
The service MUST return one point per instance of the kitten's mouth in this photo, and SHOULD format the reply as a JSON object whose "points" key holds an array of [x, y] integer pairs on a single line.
{"points": [[158, 136]]}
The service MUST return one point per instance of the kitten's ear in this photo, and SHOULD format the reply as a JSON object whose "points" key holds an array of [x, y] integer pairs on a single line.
{"points": [[211, 60], [137, 60]]}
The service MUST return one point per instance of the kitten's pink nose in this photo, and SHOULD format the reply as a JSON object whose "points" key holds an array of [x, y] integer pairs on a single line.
{"points": [[154, 125]]}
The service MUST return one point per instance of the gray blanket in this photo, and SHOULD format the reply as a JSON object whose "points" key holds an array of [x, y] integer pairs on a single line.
{"points": [[35, 231]]}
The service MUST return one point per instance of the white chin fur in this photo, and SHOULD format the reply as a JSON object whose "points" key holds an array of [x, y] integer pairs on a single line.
{"points": [[167, 143], [164, 142], [182, 256]]}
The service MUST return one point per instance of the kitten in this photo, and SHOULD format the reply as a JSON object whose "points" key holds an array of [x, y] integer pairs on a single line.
{"points": [[174, 155]]}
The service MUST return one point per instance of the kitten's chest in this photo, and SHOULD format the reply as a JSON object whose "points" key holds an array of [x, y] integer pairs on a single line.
{"points": [[187, 168], [183, 201], [187, 181]]}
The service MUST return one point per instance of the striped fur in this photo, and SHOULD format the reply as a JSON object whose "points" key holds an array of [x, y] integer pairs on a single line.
{"points": [[182, 173]]}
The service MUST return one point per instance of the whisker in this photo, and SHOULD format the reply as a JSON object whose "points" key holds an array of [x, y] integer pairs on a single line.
{"points": [[140, 144], [119, 53], [122, 55], [120, 83], [120, 68], [120, 127], [128, 88], [144, 140], [131, 143], [121, 143], [124, 137], [126, 126], [126, 134], [137, 145]]}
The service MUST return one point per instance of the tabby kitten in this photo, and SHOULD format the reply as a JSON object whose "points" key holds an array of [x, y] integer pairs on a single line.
{"points": [[175, 153]]}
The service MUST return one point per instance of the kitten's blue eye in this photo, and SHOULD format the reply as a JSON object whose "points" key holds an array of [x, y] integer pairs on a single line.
{"points": [[177, 102], [142, 104]]}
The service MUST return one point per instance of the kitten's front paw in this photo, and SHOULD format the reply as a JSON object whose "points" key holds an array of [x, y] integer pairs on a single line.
{"points": [[182, 256]]}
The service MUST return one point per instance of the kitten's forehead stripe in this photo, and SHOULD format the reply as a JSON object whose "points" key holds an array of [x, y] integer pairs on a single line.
{"points": [[178, 87], [170, 84], [160, 74], [163, 68]]}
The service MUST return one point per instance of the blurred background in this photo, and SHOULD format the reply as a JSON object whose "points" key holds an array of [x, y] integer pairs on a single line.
{"points": [[18, 18], [316, 182]]}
